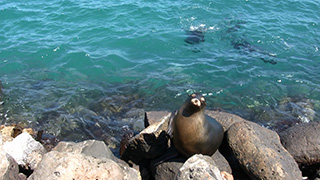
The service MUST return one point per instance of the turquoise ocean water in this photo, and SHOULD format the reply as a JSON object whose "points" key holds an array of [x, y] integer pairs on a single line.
{"points": [[83, 69]]}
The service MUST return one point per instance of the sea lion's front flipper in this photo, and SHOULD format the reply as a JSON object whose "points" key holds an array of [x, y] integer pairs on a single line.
{"points": [[170, 128]]}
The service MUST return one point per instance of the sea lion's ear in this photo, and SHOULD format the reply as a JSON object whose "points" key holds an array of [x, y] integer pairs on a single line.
{"points": [[193, 95]]}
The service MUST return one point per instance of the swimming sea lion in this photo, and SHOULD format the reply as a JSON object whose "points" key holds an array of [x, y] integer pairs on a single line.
{"points": [[242, 44], [193, 131], [194, 37]]}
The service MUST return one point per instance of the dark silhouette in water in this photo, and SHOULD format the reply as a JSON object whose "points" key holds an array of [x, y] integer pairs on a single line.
{"points": [[194, 37], [245, 45]]}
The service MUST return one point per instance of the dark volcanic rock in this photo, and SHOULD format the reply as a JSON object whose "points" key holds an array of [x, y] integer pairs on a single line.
{"points": [[225, 119], [168, 169], [303, 142], [221, 163], [260, 152], [149, 143]]}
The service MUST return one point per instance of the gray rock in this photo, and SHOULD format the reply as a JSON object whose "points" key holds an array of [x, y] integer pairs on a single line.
{"points": [[8, 167], [225, 119], [167, 170], [65, 165], [260, 152], [303, 142], [149, 143], [167, 166], [221, 163], [94, 148], [25, 150], [199, 167]]}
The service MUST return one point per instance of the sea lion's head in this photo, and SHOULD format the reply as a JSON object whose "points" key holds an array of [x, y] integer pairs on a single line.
{"points": [[195, 102]]}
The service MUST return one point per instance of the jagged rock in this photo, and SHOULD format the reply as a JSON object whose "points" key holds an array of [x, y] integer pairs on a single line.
{"points": [[260, 152], [199, 167], [225, 119], [9, 168], [303, 142], [149, 143], [65, 165], [25, 150], [152, 117], [94, 148]]}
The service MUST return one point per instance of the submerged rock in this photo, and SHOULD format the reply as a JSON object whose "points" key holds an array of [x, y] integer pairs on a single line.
{"points": [[260, 152], [1, 94]]}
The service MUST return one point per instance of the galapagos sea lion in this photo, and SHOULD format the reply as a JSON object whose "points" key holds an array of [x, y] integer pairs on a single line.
{"points": [[194, 37], [193, 131]]}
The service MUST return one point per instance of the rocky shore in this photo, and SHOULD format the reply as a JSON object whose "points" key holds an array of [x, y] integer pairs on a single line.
{"points": [[249, 151]]}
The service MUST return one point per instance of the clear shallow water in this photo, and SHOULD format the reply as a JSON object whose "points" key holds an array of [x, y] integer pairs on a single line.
{"points": [[77, 67]]}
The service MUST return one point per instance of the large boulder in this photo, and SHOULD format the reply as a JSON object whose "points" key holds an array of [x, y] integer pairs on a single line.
{"points": [[149, 143], [260, 152], [200, 167], [94, 148], [9, 168], [303, 142], [25, 150], [12, 131], [167, 166], [224, 118], [65, 165]]}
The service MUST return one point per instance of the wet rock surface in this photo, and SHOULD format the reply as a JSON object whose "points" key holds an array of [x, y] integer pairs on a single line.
{"points": [[260, 152]]}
